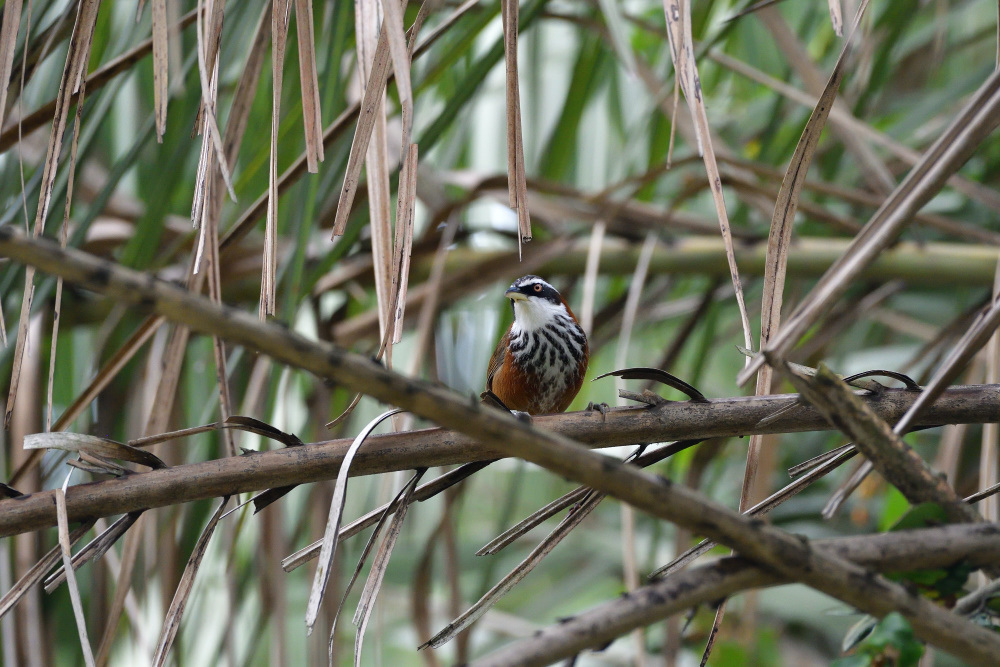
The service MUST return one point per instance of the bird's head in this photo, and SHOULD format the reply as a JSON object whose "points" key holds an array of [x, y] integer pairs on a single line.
{"points": [[535, 303]]}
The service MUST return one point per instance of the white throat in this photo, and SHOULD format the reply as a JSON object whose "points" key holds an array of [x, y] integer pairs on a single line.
{"points": [[533, 314]]}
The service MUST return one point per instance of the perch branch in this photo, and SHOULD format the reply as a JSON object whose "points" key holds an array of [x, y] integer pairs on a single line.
{"points": [[721, 417]]}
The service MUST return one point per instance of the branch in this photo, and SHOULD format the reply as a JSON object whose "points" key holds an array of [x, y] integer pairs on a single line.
{"points": [[886, 552], [766, 545], [721, 417], [931, 264]]}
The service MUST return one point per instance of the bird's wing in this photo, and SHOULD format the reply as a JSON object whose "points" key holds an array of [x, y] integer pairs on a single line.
{"points": [[496, 361]]}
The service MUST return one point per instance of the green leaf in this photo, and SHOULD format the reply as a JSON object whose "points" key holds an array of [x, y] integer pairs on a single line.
{"points": [[925, 515]]}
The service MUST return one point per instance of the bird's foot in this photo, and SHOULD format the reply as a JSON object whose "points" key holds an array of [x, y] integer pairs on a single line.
{"points": [[522, 416], [599, 407]]}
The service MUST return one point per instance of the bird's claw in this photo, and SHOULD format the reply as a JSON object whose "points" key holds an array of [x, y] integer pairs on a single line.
{"points": [[599, 407], [522, 416]]}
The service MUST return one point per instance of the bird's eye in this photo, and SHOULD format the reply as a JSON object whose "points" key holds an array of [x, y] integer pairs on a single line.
{"points": [[538, 288]]}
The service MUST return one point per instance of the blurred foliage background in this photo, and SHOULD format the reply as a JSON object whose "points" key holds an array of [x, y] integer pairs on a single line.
{"points": [[607, 167]]}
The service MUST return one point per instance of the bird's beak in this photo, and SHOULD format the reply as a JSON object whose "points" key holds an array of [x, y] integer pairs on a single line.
{"points": [[514, 295]]}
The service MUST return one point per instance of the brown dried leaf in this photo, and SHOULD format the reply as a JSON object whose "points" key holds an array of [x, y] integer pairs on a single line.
{"points": [[516, 179], [63, 237], [396, 37], [678, 14], [74, 590], [38, 570], [780, 235], [77, 442], [380, 564], [100, 381], [330, 536], [953, 147], [269, 275], [173, 618], [836, 18], [8, 39], [371, 106], [476, 611], [95, 549], [161, 80], [311, 114], [405, 210]]}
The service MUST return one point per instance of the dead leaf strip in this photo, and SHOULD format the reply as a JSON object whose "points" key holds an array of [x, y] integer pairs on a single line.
{"points": [[63, 238], [816, 461], [161, 80], [269, 274], [780, 235], [74, 589], [367, 116], [640, 459], [367, 22], [9, 492], [959, 355], [377, 573], [516, 178], [312, 115], [504, 586], [952, 149], [76, 442], [22, 334], [172, 621], [403, 246], [894, 459], [212, 152], [331, 535], [985, 493], [837, 18], [657, 375], [239, 422], [830, 464], [508, 537], [37, 571], [678, 15], [97, 79], [8, 39], [73, 74], [392, 25], [98, 465], [423, 492], [101, 380], [383, 518], [94, 550]]}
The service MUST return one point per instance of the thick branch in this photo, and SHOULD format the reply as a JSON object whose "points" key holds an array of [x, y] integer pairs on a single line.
{"points": [[887, 552], [766, 545], [720, 417]]}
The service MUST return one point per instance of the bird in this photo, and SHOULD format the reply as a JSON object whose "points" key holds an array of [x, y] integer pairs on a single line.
{"points": [[540, 362]]}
